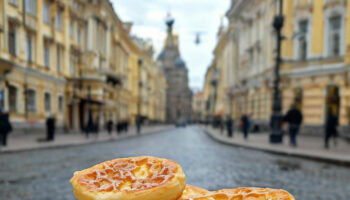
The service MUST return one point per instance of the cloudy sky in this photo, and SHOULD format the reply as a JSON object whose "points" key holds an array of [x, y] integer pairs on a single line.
{"points": [[191, 16]]}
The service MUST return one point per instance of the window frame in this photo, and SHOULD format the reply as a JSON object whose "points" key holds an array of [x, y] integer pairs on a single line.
{"points": [[46, 13], [29, 48], [60, 103], [12, 40], [330, 13], [31, 108], [46, 54], [331, 33], [58, 58], [12, 101], [31, 7], [47, 104], [71, 29], [59, 19], [13, 2]]}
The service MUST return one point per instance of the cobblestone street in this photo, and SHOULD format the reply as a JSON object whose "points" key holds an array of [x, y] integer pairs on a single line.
{"points": [[45, 174]]}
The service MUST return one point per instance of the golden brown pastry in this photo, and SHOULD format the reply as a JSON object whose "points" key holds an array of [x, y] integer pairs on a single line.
{"points": [[138, 178], [244, 194], [191, 191]]}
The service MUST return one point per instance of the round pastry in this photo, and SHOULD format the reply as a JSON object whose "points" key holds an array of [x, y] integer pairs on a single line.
{"points": [[245, 194], [138, 178], [191, 191]]}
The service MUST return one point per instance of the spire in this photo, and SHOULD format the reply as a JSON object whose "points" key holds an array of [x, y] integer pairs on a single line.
{"points": [[170, 22]]}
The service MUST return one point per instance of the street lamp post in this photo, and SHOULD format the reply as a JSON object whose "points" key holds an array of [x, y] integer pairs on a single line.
{"points": [[277, 117], [139, 90]]}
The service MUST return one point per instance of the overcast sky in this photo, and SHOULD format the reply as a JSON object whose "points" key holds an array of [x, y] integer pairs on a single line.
{"points": [[191, 16]]}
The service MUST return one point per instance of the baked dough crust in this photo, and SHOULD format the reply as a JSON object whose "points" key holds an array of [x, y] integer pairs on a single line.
{"points": [[137, 178], [244, 193], [191, 191]]}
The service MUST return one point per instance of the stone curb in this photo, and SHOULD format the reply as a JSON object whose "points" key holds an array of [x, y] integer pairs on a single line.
{"points": [[338, 160], [107, 140]]}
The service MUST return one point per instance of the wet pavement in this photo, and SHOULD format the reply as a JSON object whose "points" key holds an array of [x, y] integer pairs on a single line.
{"points": [[45, 174]]}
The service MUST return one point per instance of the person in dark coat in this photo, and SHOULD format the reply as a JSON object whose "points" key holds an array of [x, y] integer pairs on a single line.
{"points": [[294, 118], [90, 125], [5, 127], [330, 128], [109, 126], [97, 126], [245, 122], [138, 125], [229, 124], [50, 128]]}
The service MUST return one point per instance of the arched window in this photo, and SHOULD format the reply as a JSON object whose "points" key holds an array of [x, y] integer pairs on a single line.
{"points": [[302, 39], [334, 32], [334, 35]]}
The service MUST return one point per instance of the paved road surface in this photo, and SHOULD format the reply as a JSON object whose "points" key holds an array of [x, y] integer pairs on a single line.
{"points": [[45, 174]]}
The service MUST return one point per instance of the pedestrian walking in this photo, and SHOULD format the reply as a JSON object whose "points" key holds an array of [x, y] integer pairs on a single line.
{"points": [[110, 126], [5, 127], [294, 118], [50, 128], [90, 125], [245, 123], [138, 125], [222, 124], [229, 126], [330, 128]]}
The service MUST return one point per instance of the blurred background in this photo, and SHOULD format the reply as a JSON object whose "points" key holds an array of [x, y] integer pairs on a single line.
{"points": [[240, 93]]}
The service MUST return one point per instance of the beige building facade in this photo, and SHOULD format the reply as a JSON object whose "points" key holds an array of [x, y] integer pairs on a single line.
{"points": [[74, 59], [315, 68]]}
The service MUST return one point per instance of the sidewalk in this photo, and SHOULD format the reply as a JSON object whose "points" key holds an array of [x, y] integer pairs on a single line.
{"points": [[29, 142], [310, 147]]}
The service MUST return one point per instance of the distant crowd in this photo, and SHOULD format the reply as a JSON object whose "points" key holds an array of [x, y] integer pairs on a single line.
{"points": [[92, 127], [293, 119]]}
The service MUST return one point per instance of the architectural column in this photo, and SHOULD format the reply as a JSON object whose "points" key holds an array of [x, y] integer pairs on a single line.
{"points": [[90, 31]]}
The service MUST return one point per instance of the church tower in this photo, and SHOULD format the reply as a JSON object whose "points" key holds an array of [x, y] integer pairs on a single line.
{"points": [[179, 95]]}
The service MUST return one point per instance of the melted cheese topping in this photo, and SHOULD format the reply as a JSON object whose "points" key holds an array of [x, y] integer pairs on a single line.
{"points": [[133, 174]]}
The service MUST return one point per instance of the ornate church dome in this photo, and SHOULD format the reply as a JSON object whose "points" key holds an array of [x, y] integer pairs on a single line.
{"points": [[180, 63]]}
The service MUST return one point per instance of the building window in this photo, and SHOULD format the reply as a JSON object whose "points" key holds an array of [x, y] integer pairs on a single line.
{"points": [[79, 36], [59, 20], [58, 58], [71, 66], [12, 98], [46, 13], [30, 6], [334, 35], [29, 48], [12, 40], [302, 40], [60, 103], [73, 63], [13, 2], [71, 29], [251, 60], [46, 54], [47, 102], [31, 100]]}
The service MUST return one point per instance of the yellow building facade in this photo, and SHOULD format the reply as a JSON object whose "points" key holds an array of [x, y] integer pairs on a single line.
{"points": [[315, 67], [73, 59]]}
